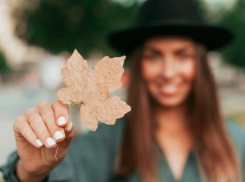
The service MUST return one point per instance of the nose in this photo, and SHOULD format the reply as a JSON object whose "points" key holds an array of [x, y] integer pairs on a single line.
{"points": [[168, 67]]}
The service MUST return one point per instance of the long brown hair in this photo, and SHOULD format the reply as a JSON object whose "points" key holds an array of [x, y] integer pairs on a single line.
{"points": [[214, 151]]}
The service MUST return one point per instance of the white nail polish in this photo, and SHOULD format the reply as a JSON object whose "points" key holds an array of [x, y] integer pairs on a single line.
{"points": [[61, 120], [50, 141], [39, 143], [70, 127], [58, 135]]}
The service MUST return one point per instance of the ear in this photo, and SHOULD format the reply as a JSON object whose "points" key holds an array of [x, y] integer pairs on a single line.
{"points": [[125, 78]]}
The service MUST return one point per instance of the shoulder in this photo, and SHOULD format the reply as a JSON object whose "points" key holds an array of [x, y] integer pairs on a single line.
{"points": [[235, 129], [237, 134]]}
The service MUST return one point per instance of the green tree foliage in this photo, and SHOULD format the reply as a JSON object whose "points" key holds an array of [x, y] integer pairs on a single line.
{"points": [[235, 20], [68, 24]]}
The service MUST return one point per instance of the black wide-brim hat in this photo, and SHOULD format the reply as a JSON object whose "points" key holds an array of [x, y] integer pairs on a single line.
{"points": [[170, 17]]}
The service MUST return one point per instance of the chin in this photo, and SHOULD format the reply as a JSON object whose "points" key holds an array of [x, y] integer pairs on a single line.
{"points": [[170, 102]]}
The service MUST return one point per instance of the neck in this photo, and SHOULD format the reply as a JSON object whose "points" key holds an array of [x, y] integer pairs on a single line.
{"points": [[171, 120]]}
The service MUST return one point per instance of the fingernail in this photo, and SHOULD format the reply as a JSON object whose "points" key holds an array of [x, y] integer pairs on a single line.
{"points": [[70, 127], [50, 141], [39, 143], [58, 135], [61, 120]]}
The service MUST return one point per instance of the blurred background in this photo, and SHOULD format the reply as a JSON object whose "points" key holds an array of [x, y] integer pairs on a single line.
{"points": [[38, 36]]}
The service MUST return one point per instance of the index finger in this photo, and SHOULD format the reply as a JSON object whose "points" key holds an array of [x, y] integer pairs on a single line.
{"points": [[61, 112]]}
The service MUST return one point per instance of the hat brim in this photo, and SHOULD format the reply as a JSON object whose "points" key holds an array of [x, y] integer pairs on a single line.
{"points": [[212, 36]]}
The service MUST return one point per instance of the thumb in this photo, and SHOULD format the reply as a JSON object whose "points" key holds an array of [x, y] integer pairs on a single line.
{"points": [[70, 133]]}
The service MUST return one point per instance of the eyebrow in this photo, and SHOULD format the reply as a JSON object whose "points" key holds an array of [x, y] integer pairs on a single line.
{"points": [[152, 49], [179, 50], [184, 49]]}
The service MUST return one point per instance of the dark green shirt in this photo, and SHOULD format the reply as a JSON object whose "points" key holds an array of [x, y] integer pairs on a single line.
{"points": [[91, 158]]}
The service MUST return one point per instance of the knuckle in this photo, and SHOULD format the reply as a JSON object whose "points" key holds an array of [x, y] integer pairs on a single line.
{"points": [[58, 104], [34, 118], [60, 111], [18, 119], [18, 122], [46, 107], [48, 115], [28, 132], [42, 104], [21, 126], [30, 111]]}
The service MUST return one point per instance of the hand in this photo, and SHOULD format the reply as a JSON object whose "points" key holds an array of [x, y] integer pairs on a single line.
{"points": [[37, 134]]}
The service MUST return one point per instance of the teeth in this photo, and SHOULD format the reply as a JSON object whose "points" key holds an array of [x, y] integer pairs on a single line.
{"points": [[169, 88]]}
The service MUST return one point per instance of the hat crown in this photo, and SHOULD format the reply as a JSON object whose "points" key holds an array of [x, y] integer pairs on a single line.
{"points": [[153, 11], [170, 17]]}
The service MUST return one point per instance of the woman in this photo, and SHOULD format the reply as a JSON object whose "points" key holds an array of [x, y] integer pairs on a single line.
{"points": [[174, 132]]}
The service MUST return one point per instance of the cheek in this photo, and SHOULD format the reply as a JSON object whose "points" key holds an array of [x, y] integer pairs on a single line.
{"points": [[149, 70], [188, 71]]}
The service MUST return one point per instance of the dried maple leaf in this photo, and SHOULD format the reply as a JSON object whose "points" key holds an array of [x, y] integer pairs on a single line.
{"points": [[92, 89]]}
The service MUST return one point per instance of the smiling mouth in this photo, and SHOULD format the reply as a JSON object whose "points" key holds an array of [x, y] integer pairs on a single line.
{"points": [[168, 90]]}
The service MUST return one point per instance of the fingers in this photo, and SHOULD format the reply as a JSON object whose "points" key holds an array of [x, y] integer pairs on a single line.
{"points": [[61, 112], [47, 113], [56, 118], [22, 128], [39, 127]]}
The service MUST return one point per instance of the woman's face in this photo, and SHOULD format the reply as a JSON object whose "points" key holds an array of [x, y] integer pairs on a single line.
{"points": [[168, 67]]}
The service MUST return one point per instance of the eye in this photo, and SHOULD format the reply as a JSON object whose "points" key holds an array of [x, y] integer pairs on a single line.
{"points": [[185, 56], [151, 56]]}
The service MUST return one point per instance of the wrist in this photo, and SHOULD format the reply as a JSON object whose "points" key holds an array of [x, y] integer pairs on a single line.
{"points": [[26, 176]]}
